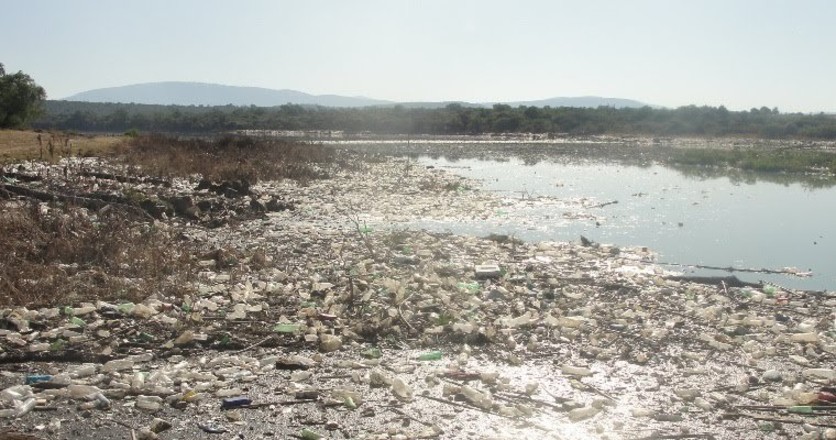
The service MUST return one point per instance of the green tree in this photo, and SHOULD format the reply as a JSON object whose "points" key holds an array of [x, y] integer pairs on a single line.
{"points": [[20, 99]]}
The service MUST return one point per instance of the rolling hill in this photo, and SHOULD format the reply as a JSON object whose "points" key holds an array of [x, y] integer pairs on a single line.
{"points": [[194, 93]]}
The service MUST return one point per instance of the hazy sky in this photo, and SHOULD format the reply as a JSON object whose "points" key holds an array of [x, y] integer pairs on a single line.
{"points": [[738, 53]]}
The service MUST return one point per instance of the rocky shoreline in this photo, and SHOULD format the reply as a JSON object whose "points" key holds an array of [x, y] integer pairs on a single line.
{"points": [[311, 314]]}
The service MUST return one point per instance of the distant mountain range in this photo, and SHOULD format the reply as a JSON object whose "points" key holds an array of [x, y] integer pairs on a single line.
{"points": [[193, 93]]}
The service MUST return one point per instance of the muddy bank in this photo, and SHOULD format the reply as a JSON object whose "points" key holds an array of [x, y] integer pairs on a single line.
{"points": [[333, 321]]}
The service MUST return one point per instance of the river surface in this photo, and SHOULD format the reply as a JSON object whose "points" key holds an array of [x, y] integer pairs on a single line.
{"points": [[687, 219]]}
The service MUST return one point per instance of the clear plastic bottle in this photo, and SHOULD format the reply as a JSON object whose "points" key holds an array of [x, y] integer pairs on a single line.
{"points": [[149, 403], [476, 397], [401, 390], [583, 413], [77, 391], [117, 365], [83, 371], [23, 407], [17, 392]]}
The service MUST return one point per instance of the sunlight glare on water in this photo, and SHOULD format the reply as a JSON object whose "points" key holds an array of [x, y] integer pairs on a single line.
{"points": [[714, 221]]}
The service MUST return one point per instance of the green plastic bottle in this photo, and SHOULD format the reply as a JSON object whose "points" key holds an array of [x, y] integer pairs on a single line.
{"points": [[430, 356]]}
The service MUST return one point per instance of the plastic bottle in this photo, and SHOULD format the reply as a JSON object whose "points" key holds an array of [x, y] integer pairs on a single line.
{"points": [[77, 391], [149, 403], [372, 353], [35, 378], [17, 392], [378, 379], [22, 408], [329, 343], [476, 397], [101, 401], [83, 371], [300, 376], [117, 365], [583, 413], [235, 402], [307, 434], [430, 356], [401, 390], [576, 371]]}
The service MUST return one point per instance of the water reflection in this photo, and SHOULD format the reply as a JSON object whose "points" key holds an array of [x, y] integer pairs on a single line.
{"points": [[736, 176], [689, 215]]}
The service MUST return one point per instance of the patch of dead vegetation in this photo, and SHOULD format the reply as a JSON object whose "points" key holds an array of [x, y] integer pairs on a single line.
{"points": [[230, 158], [55, 255]]}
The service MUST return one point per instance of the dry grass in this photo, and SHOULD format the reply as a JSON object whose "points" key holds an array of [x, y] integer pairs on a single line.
{"points": [[229, 158], [17, 145], [62, 255]]}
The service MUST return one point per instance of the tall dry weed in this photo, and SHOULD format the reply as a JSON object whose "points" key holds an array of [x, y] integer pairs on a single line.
{"points": [[60, 255], [230, 158]]}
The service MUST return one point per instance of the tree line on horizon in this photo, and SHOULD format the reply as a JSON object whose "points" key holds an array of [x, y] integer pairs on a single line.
{"points": [[454, 119]]}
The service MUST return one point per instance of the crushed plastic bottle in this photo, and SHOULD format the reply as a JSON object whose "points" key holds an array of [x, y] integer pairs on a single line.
{"points": [[20, 397], [378, 379], [480, 399], [22, 407], [307, 434], [342, 394], [401, 390], [576, 371], [286, 328], [583, 413], [126, 308], [300, 376], [185, 338], [329, 343], [372, 353]]}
